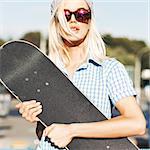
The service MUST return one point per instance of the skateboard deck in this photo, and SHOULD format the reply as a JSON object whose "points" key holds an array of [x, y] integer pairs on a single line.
{"points": [[29, 74]]}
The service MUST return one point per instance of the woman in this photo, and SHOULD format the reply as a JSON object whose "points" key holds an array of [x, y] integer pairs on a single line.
{"points": [[78, 50]]}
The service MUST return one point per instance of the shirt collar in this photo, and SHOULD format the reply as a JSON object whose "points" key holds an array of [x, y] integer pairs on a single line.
{"points": [[83, 66], [89, 60]]}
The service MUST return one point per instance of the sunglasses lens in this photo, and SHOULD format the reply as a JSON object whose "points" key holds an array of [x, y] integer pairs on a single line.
{"points": [[83, 15], [67, 14]]}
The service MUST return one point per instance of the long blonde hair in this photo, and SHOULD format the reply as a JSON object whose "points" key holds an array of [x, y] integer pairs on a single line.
{"points": [[58, 52]]}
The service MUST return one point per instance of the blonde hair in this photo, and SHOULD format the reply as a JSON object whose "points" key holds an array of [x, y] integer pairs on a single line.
{"points": [[58, 52]]}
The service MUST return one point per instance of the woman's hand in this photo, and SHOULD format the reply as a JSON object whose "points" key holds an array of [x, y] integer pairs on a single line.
{"points": [[60, 134], [30, 110]]}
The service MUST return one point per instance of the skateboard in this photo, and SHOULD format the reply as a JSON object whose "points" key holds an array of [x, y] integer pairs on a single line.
{"points": [[30, 74]]}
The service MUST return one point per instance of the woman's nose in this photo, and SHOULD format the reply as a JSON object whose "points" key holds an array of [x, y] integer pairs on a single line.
{"points": [[73, 19]]}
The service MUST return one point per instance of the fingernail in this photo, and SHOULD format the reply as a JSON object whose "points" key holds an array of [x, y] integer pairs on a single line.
{"points": [[37, 119], [17, 106]]}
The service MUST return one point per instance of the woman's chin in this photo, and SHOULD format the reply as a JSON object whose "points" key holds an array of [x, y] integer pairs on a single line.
{"points": [[73, 39]]}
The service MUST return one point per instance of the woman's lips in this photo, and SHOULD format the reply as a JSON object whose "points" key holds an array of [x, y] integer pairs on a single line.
{"points": [[74, 28]]}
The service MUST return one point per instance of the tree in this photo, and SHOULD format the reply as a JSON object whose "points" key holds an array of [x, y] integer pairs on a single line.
{"points": [[123, 49], [131, 46], [122, 55], [33, 37], [1, 42]]}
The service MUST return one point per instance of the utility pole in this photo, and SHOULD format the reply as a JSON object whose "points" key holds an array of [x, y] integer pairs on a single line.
{"points": [[137, 71]]}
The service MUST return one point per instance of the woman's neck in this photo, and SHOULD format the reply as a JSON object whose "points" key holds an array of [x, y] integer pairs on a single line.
{"points": [[77, 57], [77, 54], [75, 51]]}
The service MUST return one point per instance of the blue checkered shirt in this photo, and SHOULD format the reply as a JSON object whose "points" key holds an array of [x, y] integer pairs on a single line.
{"points": [[100, 82]]}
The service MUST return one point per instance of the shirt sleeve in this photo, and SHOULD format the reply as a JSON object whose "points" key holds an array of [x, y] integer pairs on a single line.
{"points": [[119, 84]]}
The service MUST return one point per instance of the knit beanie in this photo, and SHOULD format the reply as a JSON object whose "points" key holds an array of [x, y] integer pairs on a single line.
{"points": [[56, 2]]}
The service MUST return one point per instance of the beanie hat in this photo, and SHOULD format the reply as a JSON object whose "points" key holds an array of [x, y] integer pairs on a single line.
{"points": [[56, 2]]}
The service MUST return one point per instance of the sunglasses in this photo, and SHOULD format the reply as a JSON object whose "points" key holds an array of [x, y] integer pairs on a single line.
{"points": [[82, 15]]}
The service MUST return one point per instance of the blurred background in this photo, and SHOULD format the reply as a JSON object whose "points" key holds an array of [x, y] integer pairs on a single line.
{"points": [[125, 28]]}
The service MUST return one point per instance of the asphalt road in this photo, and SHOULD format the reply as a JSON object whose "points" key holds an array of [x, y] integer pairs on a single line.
{"points": [[16, 133]]}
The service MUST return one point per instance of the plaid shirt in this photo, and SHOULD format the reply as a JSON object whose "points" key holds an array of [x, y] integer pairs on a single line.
{"points": [[100, 83]]}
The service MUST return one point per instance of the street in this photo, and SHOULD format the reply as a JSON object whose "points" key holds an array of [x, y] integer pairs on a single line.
{"points": [[16, 133]]}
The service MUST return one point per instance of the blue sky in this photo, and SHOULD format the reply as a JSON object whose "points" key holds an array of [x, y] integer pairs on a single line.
{"points": [[123, 18]]}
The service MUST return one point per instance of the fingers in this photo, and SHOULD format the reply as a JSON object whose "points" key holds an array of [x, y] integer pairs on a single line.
{"points": [[58, 134], [34, 110], [26, 105], [58, 143], [36, 113], [30, 110], [48, 130], [32, 107], [22, 105], [18, 105]]}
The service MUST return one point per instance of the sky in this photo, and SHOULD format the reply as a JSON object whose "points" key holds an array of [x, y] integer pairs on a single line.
{"points": [[121, 18]]}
